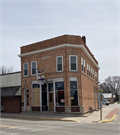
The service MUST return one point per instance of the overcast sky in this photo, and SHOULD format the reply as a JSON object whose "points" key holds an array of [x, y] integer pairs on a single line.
{"points": [[29, 21]]}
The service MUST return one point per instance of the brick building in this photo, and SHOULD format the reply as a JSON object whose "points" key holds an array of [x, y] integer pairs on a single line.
{"points": [[10, 86], [70, 73]]}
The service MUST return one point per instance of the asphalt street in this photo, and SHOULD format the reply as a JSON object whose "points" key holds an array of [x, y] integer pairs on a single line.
{"points": [[43, 127]]}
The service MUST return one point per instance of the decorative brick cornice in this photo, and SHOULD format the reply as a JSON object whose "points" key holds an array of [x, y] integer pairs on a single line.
{"points": [[64, 39]]}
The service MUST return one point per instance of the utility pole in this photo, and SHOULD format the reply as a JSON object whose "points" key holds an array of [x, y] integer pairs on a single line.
{"points": [[100, 106]]}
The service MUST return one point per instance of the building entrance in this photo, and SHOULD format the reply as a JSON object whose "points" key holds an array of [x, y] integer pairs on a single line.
{"points": [[44, 97], [51, 101]]}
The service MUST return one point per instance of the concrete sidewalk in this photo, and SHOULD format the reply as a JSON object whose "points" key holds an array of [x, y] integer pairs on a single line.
{"points": [[107, 113]]}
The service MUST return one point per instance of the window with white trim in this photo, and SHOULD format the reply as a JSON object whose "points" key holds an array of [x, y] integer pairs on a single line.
{"points": [[33, 67], [73, 62], [82, 63], [84, 66], [95, 76], [59, 93], [91, 72], [59, 62], [74, 93], [87, 69], [25, 69]]}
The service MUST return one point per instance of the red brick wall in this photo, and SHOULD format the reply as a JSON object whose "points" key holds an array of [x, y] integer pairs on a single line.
{"points": [[65, 39], [49, 66], [89, 85], [85, 84], [12, 105]]}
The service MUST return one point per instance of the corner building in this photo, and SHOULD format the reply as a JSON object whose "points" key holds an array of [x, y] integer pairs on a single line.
{"points": [[70, 75]]}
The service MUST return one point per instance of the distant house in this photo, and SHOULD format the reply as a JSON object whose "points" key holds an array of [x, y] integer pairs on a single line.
{"points": [[11, 92], [109, 98]]}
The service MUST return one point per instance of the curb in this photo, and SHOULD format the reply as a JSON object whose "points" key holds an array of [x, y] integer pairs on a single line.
{"points": [[41, 118], [106, 121]]}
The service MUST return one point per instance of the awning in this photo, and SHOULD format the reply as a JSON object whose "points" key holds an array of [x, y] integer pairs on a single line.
{"points": [[11, 91]]}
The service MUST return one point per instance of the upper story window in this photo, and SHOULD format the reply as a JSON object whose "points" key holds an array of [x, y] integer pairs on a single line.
{"points": [[59, 62], [25, 69], [73, 62], [93, 73], [33, 67], [84, 66], [87, 69], [82, 63], [95, 76]]}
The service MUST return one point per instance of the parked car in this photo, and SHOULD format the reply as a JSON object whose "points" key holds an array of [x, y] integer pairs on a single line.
{"points": [[105, 102]]}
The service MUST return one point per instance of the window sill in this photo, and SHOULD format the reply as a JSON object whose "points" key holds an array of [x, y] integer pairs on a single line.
{"points": [[59, 71], [26, 76], [83, 73], [33, 75]]}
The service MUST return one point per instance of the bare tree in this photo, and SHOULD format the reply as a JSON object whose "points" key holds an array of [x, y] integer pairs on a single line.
{"points": [[111, 85], [5, 70]]}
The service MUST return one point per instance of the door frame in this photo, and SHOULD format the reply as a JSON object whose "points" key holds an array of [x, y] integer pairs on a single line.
{"points": [[25, 99], [46, 81], [52, 99], [53, 81]]}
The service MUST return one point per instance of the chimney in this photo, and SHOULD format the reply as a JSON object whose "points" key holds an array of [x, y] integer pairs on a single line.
{"points": [[84, 39]]}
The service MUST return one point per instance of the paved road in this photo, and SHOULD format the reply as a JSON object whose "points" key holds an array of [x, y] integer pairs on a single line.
{"points": [[42, 127]]}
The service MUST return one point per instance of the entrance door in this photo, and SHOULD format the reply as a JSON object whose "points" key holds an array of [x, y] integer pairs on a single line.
{"points": [[51, 102]]}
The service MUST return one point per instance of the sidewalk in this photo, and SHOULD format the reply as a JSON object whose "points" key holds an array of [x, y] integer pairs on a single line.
{"points": [[107, 113]]}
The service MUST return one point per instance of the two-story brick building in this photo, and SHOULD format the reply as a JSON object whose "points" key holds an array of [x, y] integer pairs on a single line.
{"points": [[70, 73]]}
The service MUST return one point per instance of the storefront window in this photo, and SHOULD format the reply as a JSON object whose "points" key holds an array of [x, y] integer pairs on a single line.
{"points": [[44, 87], [59, 85], [44, 95], [59, 93], [73, 93], [36, 86], [50, 86]]}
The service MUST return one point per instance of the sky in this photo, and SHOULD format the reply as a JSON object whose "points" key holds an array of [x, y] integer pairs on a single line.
{"points": [[23, 22]]}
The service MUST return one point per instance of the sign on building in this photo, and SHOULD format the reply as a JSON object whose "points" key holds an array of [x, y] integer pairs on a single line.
{"points": [[40, 74], [100, 91]]}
